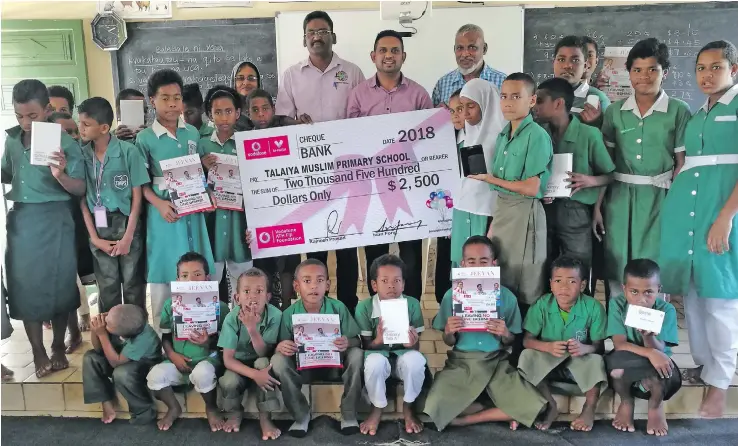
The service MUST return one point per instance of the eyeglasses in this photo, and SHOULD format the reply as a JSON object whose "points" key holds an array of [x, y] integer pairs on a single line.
{"points": [[317, 33], [250, 78]]}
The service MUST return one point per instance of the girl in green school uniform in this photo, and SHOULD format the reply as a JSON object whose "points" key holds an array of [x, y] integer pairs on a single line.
{"points": [[231, 253], [645, 135], [700, 257], [168, 235], [476, 202]]}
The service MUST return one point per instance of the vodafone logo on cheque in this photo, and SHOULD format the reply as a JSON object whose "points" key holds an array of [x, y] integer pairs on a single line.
{"points": [[280, 235], [266, 147]]}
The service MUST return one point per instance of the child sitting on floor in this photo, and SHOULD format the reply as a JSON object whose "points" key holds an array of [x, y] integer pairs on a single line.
{"points": [[640, 366], [564, 341], [248, 338], [194, 360], [382, 360], [125, 348]]}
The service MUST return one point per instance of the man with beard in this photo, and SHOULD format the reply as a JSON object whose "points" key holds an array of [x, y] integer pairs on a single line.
{"points": [[317, 90], [388, 91], [470, 49]]}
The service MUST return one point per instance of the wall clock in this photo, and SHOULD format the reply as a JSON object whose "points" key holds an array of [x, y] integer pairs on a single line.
{"points": [[108, 31]]}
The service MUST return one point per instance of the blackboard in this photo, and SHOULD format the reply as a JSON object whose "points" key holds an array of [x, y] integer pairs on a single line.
{"points": [[685, 28], [202, 51]]}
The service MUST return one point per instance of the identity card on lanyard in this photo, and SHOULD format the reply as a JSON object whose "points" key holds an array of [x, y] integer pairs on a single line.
{"points": [[101, 214]]}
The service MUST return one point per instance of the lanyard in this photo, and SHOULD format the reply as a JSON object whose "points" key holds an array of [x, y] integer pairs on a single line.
{"points": [[98, 178]]}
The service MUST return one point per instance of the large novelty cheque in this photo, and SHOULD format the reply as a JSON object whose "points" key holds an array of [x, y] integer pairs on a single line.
{"points": [[349, 183]]}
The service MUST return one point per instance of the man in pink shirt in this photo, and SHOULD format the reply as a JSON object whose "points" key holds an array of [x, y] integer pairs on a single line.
{"points": [[388, 91], [317, 90]]}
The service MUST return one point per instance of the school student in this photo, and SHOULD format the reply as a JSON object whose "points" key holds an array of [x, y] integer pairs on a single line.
{"points": [[116, 171], [40, 228], [571, 62], [383, 360], [564, 341], [645, 135], [124, 348], [122, 132], [248, 338], [478, 363], [443, 244], [390, 91], [61, 99], [700, 246], [312, 284], [593, 58], [168, 236], [640, 366], [6, 329], [194, 108], [67, 123], [520, 170], [232, 256], [569, 220], [193, 359]]}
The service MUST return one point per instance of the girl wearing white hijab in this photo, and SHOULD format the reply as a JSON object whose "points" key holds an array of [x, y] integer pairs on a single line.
{"points": [[476, 202]]}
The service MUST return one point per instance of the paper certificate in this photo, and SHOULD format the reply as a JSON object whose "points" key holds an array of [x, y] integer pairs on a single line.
{"points": [[225, 181], [643, 318], [476, 295], [614, 77], [557, 185], [132, 113], [396, 321], [348, 183], [45, 141], [314, 335], [195, 306], [186, 183]]}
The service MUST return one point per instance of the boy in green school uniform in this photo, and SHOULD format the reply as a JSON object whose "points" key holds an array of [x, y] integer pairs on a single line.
{"points": [[640, 366], [312, 284], [384, 360], [569, 220], [40, 228], [645, 135], [194, 360], [168, 236], [248, 338], [226, 227], [520, 171], [116, 170], [121, 131], [194, 109], [124, 348], [571, 62], [564, 341], [477, 369]]}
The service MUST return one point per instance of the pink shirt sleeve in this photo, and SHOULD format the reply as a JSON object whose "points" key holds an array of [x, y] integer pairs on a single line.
{"points": [[353, 110], [425, 100], [285, 101]]}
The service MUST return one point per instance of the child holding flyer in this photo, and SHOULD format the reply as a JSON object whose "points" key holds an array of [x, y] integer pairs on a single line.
{"points": [[640, 366], [248, 338], [564, 341], [312, 284], [478, 363], [231, 254], [195, 359], [408, 364], [168, 235]]}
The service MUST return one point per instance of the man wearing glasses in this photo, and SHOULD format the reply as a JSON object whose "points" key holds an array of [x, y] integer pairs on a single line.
{"points": [[317, 90]]}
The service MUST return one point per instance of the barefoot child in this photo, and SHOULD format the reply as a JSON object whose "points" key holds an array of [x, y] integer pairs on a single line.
{"points": [[116, 170], [40, 228], [248, 338], [168, 236], [384, 360], [312, 284], [640, 366], [701, 248], [231, 254], [478, 363], [125, 348], [564, 341], [195, 360]]}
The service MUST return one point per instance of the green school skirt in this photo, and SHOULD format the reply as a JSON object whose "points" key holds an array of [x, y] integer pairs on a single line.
{"points": [[41, 261]]}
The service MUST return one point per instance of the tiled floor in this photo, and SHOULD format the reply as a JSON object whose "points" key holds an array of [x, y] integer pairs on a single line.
{"points": [[60, 393]]}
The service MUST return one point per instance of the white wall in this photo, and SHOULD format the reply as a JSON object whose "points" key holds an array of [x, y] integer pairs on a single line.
{"points": [[429, 52]]}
